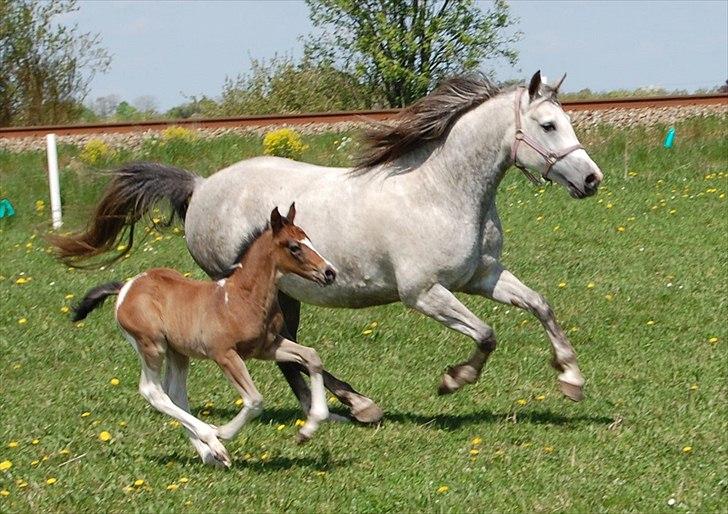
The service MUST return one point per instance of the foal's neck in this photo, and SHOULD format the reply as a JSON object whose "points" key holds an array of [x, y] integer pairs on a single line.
{"points": [[256, 276]]}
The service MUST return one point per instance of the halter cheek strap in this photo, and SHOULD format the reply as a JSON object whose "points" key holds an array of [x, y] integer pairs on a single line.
{"points": [[550, 157]]}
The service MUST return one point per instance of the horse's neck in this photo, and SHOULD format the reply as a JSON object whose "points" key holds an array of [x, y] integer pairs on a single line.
{"points": [[468, 166], [255, 277]]}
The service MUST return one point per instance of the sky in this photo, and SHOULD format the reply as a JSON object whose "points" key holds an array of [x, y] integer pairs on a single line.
{"points": [[172, 49]]}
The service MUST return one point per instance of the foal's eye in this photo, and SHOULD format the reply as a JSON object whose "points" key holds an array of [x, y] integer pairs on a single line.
{"points": [[548, 127], [294, 249]]}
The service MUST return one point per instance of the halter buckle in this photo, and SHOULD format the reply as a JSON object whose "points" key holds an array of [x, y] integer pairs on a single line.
{"points": [[552, 159], [519, 134]]}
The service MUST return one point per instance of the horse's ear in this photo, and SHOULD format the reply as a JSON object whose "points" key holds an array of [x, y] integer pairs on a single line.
{"points": [[558, 84], [291, 212], [535, 85], [276, 221]]}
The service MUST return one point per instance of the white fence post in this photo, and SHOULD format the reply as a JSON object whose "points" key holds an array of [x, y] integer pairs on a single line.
{"points": [[53, 180]]}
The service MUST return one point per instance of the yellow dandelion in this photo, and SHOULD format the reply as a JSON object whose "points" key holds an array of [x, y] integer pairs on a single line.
{"points": [[69, 296], [13, 444], [609, 206], [4, 492], [541, 397], [280, 427], [265, 456], [367, 332], [22, 484], [5, 465], [590, 285], [174, 423], [687, 449], [187, 274], [39, 205], [51, 480], [694, 387], [188, 503], [442, 489], [548, 449], [35, 441], [172, 487], [104, 436], [651, 322], [85, 414], [474, 452], [475, 441], [205, 413], [556, 228], [620, 229], [21, 281], [16, 366], [713, 340], [521, 401], [64, 451], [65, 309], [114, 381], [34, 463], [239, 402], [138, 482], [539, 218], [122, 423], [608, 297], [183, 480], [300, 422], [22, 321], [562, 285]]}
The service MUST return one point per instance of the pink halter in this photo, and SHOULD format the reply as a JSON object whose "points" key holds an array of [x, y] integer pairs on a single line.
{"points": [[550, 157]]}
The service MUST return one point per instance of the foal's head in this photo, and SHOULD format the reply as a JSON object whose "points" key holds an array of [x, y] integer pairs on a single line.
{"points": [[293, 251]]}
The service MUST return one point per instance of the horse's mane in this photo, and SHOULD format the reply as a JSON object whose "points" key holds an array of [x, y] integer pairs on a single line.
{"points": [[428, 119]]}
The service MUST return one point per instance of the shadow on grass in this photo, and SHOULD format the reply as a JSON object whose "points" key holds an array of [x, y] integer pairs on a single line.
{"points": [[275, 463], [455, 421], [269, 415]]}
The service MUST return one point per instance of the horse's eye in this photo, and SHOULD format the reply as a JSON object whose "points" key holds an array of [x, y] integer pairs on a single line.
{"points": [[294, 249], [548, 127]]}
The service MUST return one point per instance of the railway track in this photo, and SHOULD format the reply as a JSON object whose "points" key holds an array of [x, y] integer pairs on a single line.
{"points": [[333, 117]]}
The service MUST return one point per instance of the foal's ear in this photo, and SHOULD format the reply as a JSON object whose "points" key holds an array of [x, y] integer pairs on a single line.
{"points": [[291, 212], [535, 85], [276, 221]]}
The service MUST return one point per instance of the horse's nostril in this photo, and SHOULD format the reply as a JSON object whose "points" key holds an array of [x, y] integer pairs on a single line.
{"points": [[591, 180]]}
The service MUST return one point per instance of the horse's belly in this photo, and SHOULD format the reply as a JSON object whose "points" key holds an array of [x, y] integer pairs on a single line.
{"points": [[345, 292]]}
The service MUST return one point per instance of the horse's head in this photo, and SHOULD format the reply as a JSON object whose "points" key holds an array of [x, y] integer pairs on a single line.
{"points": [[545, 140], [294, 252]]}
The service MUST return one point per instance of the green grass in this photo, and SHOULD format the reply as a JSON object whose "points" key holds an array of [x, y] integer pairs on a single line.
{"points": [[655, 383]]}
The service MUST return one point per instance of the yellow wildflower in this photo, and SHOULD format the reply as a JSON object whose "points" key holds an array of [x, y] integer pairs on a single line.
{"points": [[300, 422], [35, 441], [22, 321], [475, 441], [5, 465], [620, 229], [694, 387], [114, 381], [4, 492], [367, 332], [104, 436], [651, 322], [183, 480], [21, 281], [280, 427], [138, 482], [239, 402], [713, 340], [474, 452], [562, 285], [687, 449], [69, 296], [442, 489], [541, 397], [590, 285], [608, 297], [51, 480], [65, 309], [172, 487], [521, 401], [85, 414], [548, 449], [13, 444], [34, 463], [64, 451]]}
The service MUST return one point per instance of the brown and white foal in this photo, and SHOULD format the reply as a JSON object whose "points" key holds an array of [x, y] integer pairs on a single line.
{"points": [[164, 314]]}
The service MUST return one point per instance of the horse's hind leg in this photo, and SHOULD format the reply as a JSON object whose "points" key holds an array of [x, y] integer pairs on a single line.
{"points": [[440, 304], [175, 385], [501, 285], [237, 373], [363, 409]]}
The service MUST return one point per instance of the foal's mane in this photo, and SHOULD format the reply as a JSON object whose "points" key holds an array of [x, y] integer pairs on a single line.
{"points": [[245, 245], [428, 119]]}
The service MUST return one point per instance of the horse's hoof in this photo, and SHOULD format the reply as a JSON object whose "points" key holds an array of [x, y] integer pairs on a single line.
{"points": [[369, 414], [302, 438], [337, 418], [571, 391]]}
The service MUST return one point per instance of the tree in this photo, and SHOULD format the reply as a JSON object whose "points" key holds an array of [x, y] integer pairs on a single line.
{"points": [[145, 104], [105, 106], [45, 66], [405, 47]]}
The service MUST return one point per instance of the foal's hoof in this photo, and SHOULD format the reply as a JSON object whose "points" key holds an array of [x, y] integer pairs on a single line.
{"points": [[571, 391], [369, 414]]}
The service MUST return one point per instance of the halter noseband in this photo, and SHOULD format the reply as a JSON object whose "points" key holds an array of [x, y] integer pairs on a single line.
{"points": [[550, 157]]}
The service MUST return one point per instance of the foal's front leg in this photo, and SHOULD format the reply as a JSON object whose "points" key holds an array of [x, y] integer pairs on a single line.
{"points": [[440, 304], [237, 373], [501, 285]]}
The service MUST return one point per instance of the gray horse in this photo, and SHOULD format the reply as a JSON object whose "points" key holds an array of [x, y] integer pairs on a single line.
{"points": [[387, 224]]}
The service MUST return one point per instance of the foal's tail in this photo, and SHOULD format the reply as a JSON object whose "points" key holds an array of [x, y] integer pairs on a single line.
{"points": [[133, 190], [95, 298]]}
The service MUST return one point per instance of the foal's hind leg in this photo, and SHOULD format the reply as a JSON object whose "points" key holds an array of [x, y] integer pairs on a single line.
{"points": [[237, 373], [175, 385], [501, 285], [363, 409], [440, 304]]}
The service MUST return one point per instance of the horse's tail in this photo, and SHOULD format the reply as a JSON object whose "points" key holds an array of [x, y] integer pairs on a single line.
{"points": [[133, 190], [95, 298]]}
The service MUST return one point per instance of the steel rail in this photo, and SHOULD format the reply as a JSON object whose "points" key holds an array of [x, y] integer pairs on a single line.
{"points": [[333, 117]]}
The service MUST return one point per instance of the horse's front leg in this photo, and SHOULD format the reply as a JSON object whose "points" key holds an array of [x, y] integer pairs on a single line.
{"points": [[501, 285], [439, 303], [363, 409]]}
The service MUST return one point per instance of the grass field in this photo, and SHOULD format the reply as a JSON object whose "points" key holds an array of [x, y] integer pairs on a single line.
{"points": [[637, 276]]}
